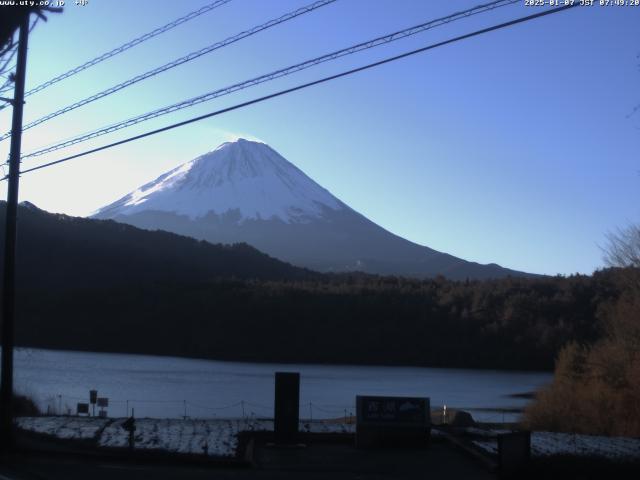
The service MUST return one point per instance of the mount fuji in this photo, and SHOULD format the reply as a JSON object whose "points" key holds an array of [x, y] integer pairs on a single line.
{"points": [[245, 191]]}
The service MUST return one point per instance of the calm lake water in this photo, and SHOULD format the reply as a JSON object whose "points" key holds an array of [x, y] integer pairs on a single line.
{"points": [[173, 387]]}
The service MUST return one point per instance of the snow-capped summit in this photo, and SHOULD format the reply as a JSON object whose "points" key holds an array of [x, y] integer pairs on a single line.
{"points": [[243, 175], [245, 191]]}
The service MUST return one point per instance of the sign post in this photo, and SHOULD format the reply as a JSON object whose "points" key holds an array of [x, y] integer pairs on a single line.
{"points": [[103, 403], [82, 409], [93, 398], [130, 426]]}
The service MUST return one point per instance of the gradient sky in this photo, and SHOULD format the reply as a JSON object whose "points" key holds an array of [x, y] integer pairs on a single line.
{"points": [[515, 147]]}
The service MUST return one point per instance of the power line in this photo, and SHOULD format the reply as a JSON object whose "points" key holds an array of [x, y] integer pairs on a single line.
{"points": [[272, 76], [179, 61], [306, 85], [128, 45], [225, 407]]}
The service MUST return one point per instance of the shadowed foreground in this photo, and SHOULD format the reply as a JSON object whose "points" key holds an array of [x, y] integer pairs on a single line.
{"points": [[317, 461]]}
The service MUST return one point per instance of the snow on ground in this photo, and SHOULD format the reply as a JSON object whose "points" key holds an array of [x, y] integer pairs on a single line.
{"points": [[82, 428], [213, 437], [551, 443], [210, 437], [548, 443], [319, 427]]}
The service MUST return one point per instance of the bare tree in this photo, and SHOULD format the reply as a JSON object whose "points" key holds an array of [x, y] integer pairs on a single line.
{"points": [[623, 247], [10, 18]]}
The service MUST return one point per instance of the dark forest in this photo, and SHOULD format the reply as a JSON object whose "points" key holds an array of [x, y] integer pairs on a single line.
{"points": [[102, 286]]}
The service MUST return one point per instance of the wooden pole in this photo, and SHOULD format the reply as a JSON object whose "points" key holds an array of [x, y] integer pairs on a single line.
{"points": [[9, 270]]}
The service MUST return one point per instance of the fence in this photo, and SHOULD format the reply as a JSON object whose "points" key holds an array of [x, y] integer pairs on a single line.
{"points": [[309, 410], [66, 405]]}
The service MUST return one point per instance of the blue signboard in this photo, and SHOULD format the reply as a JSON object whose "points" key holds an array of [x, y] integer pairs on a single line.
{"points": [[392, 421], [393, 409]]}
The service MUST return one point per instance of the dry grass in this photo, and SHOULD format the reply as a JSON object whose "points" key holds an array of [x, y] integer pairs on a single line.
{"points": [[596, 389]]}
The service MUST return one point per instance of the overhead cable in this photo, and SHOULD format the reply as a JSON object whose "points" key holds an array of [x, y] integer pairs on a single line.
{"points": [[270, 76], [306, 85], [128, 45], [179, 61]]}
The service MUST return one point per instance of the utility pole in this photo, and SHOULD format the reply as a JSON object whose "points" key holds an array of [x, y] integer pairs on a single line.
{"points": [[9, 270]]}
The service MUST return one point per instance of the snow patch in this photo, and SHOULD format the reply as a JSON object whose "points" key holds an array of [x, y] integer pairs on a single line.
{"points": [[544, 444]]}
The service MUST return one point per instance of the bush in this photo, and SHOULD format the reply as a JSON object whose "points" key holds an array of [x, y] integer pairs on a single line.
{"points": [[24, 406], [596, 388]]}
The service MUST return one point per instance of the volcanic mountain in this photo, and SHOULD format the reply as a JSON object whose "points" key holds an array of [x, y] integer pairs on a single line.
{"points": [[245, 191]]}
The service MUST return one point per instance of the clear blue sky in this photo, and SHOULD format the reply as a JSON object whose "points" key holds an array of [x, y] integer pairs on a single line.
{"points": [[515, 147]]}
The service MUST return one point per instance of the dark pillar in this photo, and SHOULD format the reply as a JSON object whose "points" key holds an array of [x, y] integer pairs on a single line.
{"points": [[514, 452], [287, 403]]}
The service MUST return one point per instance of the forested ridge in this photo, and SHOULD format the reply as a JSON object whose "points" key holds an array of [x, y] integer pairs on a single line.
{"points": [[102, 286]]}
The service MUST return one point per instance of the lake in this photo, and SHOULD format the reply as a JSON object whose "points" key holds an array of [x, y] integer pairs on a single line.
{"points": [[174, 387]]}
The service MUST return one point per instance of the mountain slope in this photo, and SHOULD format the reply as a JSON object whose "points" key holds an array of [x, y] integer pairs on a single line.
{"points": [[246, 192], [61, 252]]}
